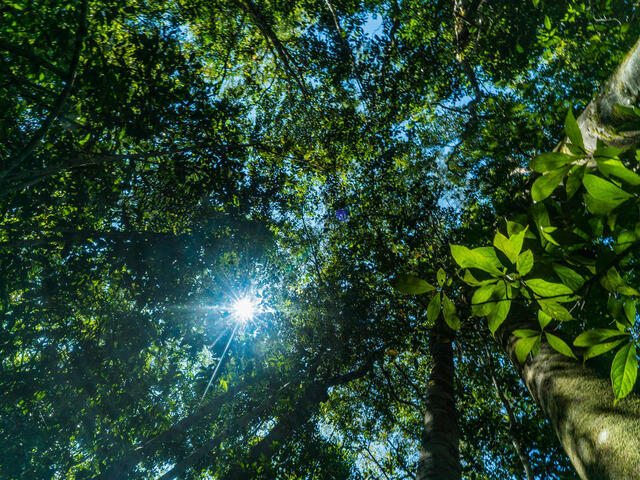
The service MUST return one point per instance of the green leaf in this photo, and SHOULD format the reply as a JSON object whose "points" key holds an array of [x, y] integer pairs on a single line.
{"points": [[524, 264], [517, 240], [469, 279], [505, 245], [624, 371], [547, 22], [525, 333], [572, 130], [605, 191], [551, 161], [545, 289], [547, 183], [613, 282], [483, 258], [524, 346], [630, 311], [600, 349], [433, 310], [617, 169], [544, 319], [595, 336], [480, 305], [555, 310], [598, 207], [449, 312], [84, 139], [499, 314], [441, 277], [570, 278], [559, 345], [574, 180], [411, 285]]}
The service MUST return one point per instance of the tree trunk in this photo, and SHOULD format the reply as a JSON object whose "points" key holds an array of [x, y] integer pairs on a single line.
{"points": [[601, 440], [439, 451]]}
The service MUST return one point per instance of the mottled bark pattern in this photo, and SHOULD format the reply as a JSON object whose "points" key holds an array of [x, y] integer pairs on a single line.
{"points": [[439, 452], [601, 440]]}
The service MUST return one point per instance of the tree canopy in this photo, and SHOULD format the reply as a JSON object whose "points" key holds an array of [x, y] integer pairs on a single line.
{"points": [[430, 206]]}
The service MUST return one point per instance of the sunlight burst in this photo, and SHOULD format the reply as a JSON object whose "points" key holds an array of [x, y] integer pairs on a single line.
{"points": [[244, 309]]}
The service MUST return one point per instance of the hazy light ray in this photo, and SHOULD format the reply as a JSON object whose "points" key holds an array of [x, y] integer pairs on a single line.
{"points": [[213, 375]]}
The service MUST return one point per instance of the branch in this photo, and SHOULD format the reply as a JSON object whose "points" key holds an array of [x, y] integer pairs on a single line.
{"points": [[62, 98], [263, 25]]}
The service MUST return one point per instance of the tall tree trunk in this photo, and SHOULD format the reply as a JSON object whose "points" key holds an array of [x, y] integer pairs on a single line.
{"points": [[601, 440], [439, 451]]}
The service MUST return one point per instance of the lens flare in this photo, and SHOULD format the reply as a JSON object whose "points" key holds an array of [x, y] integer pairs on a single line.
{"points": [[244, 309]]}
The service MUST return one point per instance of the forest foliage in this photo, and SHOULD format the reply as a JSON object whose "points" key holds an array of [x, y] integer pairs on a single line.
{"points": [[365, 171]]}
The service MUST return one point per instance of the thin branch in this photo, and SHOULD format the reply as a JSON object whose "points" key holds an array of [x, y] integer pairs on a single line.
{"points": [[62, 98], [515, 441], [263, 25]]}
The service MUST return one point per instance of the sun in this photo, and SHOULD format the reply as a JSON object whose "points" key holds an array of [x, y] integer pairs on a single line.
{"points": [[244, 309]]}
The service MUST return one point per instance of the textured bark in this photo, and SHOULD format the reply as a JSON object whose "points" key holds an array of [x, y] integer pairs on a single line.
{"points": [[600, 119], [601, 440], [439, 451]]}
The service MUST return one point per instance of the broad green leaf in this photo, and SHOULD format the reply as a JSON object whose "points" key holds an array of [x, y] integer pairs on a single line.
{"points": [[550, 161], [545, 184], [433, 310], [617, 169], [449, 312], [505, 245], [525, 333], [630, 311], [557, 291], [441, 276], [516, 241], [570, 278], [598, 207], [524, 264], [559, 345], [574, 180], [613, 282], [469, 279], [480, 304], [603, 190], [411, 285], [600, 349], [595, 336], [544, 319], [555, 310], [626, 239], [524, 346], [572, 130], [482, 258], [607, 152], [624, 371], [498, 314], [547, 22]]}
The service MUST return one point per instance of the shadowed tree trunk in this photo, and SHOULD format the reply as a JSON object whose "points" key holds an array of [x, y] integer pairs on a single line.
{"points": [[602, 441], [439, 450]]}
